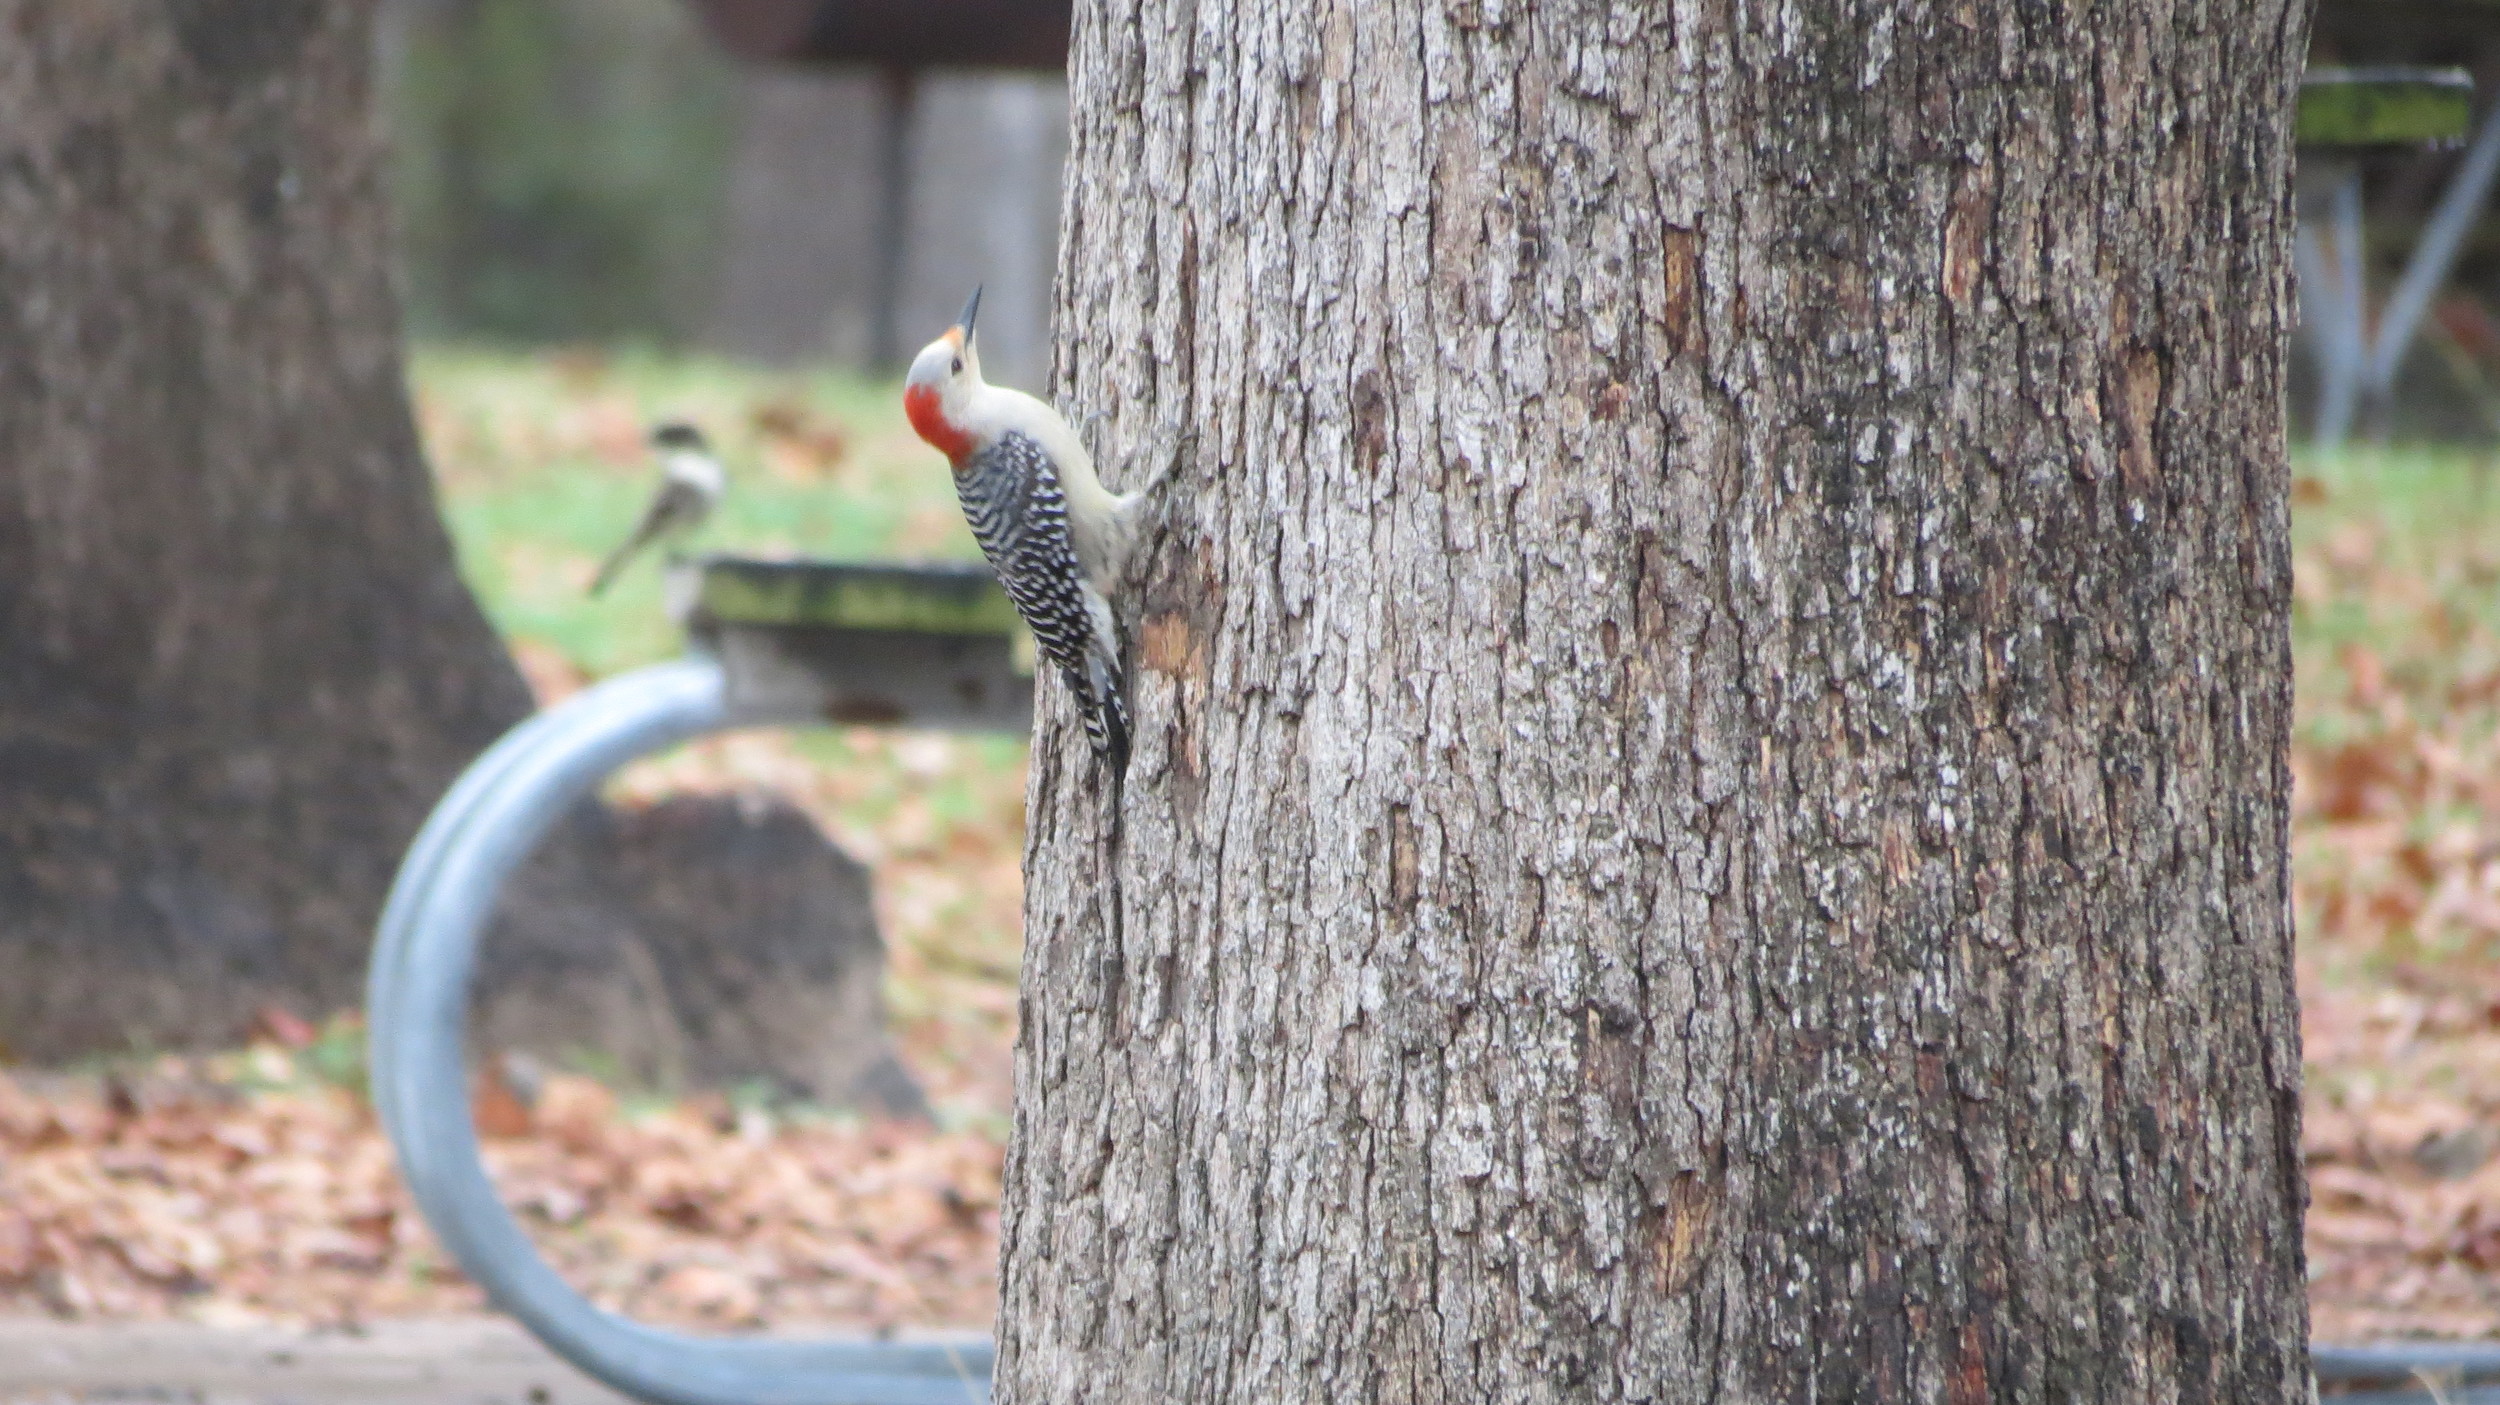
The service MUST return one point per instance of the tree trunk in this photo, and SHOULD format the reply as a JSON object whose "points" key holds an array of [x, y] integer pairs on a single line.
{"points": [[1709, 819], [237, 665]]}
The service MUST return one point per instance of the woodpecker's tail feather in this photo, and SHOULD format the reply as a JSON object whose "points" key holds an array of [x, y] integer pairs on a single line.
{"points": [[1105, 710]]}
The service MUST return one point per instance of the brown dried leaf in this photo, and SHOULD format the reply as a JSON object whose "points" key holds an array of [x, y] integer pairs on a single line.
{"points": [[576, 1111], [496, 1108]]}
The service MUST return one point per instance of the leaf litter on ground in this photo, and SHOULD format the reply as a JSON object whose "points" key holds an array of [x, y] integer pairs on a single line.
{"points": [[2396, 885], [240, 1189]]}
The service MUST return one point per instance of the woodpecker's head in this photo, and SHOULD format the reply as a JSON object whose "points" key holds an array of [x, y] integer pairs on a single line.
{"points": [[944, 377]]}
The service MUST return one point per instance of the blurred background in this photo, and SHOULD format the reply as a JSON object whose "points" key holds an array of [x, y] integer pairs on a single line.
{"points": [[2445, 384], [606, 213], [608, 172]]}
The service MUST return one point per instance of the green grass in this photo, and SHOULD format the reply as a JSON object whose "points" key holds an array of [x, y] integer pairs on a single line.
{"points": [[2397, 555], [2396, 742], [541, 467], [542, 471]]}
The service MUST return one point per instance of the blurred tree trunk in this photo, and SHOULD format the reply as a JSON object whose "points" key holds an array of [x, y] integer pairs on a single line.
{"points": [[236, 663], [1710, 809]]}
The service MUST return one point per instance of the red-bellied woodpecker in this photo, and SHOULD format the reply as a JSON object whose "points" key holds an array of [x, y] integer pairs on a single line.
{"points": [[1057, 538], [691, 482]]}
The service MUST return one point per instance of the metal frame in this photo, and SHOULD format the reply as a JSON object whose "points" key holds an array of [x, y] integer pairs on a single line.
{"points": [[2356, 371], [425, 955], [2331, 306], [2459, 206]]}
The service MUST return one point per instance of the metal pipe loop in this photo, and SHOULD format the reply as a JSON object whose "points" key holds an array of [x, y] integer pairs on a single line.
{"points": [[425, 956]]}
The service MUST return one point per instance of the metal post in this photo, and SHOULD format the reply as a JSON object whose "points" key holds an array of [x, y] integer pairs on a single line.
{"points": [[2331, 309], [2398, 1361], [897, 96]]}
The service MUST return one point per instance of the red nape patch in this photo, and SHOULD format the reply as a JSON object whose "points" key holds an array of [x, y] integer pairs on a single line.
{"points": [[928, 419]]}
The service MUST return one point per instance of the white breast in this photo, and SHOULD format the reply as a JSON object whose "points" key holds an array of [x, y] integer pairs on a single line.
{"points": [[701, 472]]}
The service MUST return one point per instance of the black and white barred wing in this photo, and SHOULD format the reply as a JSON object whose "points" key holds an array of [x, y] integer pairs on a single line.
{"points": [[1011, 496]]}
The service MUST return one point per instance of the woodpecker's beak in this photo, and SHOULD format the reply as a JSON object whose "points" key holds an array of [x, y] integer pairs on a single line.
{"points": [[972, 310]]}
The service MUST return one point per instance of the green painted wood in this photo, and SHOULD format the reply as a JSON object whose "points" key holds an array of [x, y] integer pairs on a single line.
{"points": [[938, 598], [2349, 8], [2356, 107]]}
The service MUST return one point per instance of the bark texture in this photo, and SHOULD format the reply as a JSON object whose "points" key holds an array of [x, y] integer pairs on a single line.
{"points": [[237, 665], [1709, 818]]}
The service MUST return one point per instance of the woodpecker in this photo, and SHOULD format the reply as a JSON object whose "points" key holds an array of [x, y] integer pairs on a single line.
{"points": [[1058, 540], [691, 482]]}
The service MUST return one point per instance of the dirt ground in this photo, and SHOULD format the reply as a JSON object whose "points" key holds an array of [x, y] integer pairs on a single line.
{"points": [[415, 1361], [444, 1361]]}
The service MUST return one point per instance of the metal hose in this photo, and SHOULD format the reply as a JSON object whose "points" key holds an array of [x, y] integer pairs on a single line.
{"points": [[418, 994], [2404, 1364]]}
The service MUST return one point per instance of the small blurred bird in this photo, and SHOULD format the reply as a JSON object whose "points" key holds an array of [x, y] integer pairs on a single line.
{"points": [[691, 481]]}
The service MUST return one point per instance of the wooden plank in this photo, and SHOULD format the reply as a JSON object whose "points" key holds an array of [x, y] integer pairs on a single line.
{"points": [[932, 598], [2364, 107], [894, 33], [879, 678], [881, 644]]}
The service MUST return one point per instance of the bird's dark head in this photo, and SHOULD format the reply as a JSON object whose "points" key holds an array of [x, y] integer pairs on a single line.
{"points": [[677, 435]]}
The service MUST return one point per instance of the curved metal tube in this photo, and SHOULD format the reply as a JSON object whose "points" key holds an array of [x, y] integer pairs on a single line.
{"points": [[416, 873], [424, 958], [2397, 1361]]}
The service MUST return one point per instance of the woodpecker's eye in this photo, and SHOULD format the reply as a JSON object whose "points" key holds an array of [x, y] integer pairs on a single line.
{"points": [[959, 365]]}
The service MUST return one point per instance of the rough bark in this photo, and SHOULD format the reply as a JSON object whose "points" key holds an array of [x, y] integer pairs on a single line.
{"points": [[1709, 815], [237, 664]]}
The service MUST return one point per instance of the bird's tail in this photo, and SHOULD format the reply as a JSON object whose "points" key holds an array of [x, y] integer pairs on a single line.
{"points": [[615, 562], [1105, 707]]}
